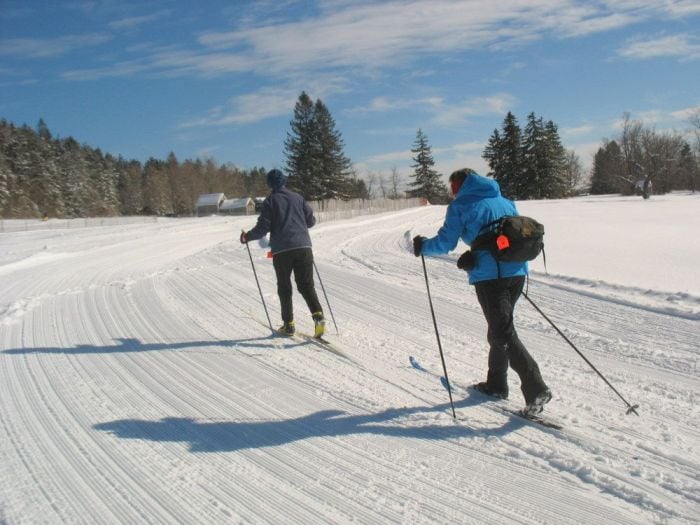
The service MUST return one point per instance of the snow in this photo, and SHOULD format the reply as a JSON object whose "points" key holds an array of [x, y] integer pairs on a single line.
{"points": [[139, 382]]}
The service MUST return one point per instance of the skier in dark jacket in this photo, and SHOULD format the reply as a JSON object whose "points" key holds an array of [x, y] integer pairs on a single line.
{"points": [[287, 217], [477, 202]]}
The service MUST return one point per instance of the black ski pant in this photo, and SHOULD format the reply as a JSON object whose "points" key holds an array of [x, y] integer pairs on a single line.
{"points": [[301, 262], [497, 299]]}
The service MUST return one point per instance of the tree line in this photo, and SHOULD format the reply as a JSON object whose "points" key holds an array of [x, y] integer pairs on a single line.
{"points": [[532, 163], [42, 175], [45, 176], [643, 160]]}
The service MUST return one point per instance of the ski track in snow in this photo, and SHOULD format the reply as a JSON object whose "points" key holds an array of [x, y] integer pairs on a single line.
{"points": [[141, 384]]}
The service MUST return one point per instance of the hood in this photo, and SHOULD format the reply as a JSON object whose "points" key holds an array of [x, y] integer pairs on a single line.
{"points": [[276, 179], [476, 187]]}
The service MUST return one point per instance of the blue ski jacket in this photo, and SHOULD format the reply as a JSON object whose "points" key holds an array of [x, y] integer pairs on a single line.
{"points": [[287, 217], [477, 203]]}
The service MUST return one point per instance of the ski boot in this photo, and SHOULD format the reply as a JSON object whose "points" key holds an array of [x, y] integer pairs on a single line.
{"points": [[287, 328], [537, 405], [319, 324], [484, 388]]}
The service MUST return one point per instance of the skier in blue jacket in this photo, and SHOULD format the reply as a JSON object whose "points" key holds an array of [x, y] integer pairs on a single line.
{"points": [[477, 202], [287, 217]]}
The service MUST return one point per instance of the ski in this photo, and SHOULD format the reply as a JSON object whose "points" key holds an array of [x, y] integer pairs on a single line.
{"points": [[317, 341], [537, 419], [416, 364]]}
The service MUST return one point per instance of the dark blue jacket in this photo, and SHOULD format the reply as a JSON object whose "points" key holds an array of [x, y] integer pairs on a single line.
{"points": [[477, 203], [287, 217]]}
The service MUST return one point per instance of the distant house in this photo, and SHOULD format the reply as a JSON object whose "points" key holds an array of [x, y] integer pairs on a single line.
{"points": [[209, 203], [244, 206]]}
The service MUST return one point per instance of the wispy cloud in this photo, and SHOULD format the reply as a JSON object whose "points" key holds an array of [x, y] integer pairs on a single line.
{"points": [[248, 108], [681, 46], [28, 48], [132, 22], [442, 113], [367, 36], [450, 115], [686, 113], [577, 131], [265, 103]]}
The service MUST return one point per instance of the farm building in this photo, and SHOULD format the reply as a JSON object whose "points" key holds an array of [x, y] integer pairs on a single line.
{"points": [[244, 206], [209, 203]]}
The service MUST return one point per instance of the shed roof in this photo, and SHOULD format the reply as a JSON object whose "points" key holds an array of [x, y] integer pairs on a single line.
{"points": [[210, 199], [236, 204]]}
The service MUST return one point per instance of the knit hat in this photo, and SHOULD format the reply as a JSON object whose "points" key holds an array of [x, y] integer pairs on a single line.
{"points": [[276, 179]]}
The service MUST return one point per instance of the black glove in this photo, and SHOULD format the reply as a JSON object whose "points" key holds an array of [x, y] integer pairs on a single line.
{"points": [[466, 261], [418, 245], [244, 239]]}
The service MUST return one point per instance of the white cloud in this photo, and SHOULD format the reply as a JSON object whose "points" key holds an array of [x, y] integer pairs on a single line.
{"points": [[685, 113], [26, 48], [576, 131], [369, 36], [450, 115], [682, 46], [133, 22]]}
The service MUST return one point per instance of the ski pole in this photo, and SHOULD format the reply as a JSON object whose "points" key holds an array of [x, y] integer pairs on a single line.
{"points": [[324, 294], [630, 408], [437, 335], [259, 289]]}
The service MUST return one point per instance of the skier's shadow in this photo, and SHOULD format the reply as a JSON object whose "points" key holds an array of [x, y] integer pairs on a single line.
{"points": [[231, 436], [131, 345]]}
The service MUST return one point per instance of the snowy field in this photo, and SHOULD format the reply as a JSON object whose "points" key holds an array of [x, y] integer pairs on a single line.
{"points": [[139, 382]]}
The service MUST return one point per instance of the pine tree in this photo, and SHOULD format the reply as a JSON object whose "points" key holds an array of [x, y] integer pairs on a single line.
{"points": [[511, 164], [301, 150], [533, 152], [555, 183], [426, 181], [316, 163], [334, 165], [504, 155], [493, 155], [607, 165]]}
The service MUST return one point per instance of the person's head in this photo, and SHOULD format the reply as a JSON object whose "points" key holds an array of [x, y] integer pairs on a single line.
{"points": [[457, 179], [276, 179]]}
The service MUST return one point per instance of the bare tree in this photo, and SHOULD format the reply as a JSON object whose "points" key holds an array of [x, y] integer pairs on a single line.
{"points": [[382, 185], [630, 150], [394, 179], [694, 121], [573, 171], [371, 181]]}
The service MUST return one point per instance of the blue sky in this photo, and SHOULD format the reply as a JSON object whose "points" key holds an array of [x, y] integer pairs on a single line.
{"points": [[220, 79]]}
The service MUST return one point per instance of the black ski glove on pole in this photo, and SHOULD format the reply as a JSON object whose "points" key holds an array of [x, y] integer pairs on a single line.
{"points": [[418, 245]]}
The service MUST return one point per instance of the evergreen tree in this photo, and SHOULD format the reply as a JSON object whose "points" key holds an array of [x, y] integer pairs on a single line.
{"points": [[555, 183], [533, 159], [334, 165], [543, 162], [426, 181], [129, 187], [607, 166], [301, 150], [504, 155], [316, 163], [493, 155]]}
